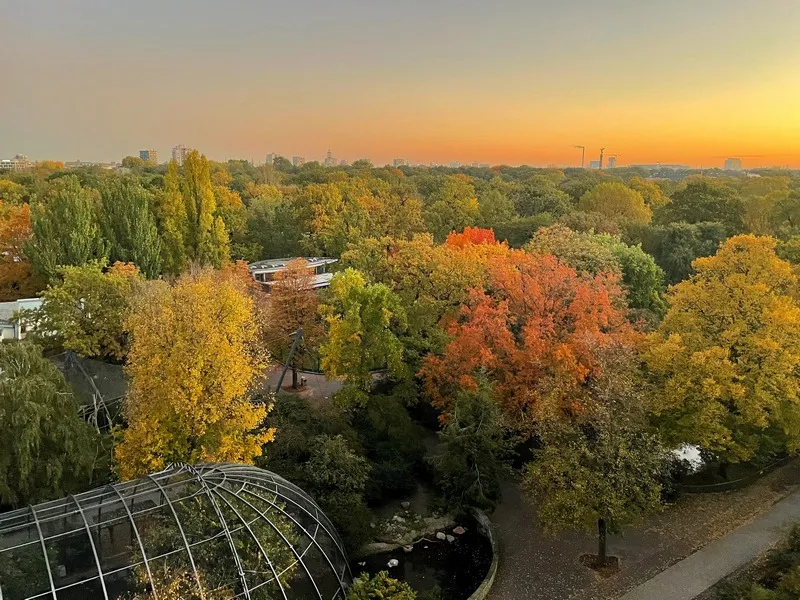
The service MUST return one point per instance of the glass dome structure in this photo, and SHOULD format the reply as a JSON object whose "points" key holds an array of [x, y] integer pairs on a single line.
{"points": [[209, 531]]}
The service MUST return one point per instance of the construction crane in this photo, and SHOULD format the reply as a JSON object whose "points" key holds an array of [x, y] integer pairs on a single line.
{"points": [[583, 153]]}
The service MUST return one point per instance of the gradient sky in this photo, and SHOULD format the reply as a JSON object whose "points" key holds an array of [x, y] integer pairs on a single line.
{"points": [[503, 81]]}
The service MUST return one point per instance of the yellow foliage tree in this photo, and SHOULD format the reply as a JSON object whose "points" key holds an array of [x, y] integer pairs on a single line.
{"points": [[617, 201], [727, 354], [192, 362]]}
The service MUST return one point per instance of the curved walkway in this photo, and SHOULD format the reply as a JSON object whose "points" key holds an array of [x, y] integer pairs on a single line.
{"points": [[695, 574], [534, 566]]}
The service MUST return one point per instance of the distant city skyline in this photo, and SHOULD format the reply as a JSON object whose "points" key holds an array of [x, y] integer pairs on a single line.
{"points": [[509, 82]]}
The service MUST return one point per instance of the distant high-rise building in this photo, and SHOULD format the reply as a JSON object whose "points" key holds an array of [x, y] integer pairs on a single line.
{"points": [[733, 164], [455, 164], [150, 156], [612, 162], [342, 163], [595, 164], [19, 163], [399, 162], [179, 154], [271, 158], [330, 161], [298, 161]]}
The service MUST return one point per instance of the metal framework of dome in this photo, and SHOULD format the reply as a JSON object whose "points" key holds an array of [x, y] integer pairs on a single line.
{"points": [[208, 531]]}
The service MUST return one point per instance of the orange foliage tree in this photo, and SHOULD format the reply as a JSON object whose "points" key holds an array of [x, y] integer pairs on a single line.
{"points": [[471, 235], [536, 331], [17, 277]]}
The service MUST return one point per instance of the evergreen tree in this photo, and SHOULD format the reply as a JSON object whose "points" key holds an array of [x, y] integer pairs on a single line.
{"points": [[129, 226], [65, 229]]}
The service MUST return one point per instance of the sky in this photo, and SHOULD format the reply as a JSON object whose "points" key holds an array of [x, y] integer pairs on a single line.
{"points": [[505, 81]]}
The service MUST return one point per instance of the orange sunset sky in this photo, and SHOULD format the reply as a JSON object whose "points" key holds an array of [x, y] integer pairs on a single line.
{"points": [[510, 81]]}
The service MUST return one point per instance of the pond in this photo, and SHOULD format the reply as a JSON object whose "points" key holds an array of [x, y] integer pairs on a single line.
{"points": [[456, 567]]}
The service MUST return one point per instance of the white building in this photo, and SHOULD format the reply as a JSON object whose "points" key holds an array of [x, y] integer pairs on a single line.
{"points": [[19, 163], [179, 154], [264, 271], [298, 161], [9, 329], [733, 164]]}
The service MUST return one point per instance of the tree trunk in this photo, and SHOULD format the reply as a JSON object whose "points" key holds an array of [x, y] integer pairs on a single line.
{"points": [[294, 376], [601, 542], [723, 470]]}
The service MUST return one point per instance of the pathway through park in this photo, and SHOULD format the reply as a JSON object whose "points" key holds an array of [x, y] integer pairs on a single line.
{"points": [[534, 566]]}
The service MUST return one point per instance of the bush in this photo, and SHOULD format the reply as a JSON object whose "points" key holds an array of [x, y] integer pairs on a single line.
{"points": [[380, 587]]}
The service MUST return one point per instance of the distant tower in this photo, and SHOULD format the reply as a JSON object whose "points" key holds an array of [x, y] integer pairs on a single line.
{"points": [[399, 162], [271, 158], [329, 160], [298, 161], [179, 154], [612, 162]]}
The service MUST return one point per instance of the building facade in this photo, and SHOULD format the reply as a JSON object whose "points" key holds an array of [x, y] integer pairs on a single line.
{"points": [[733, 164], [298, 161], [10, 327], [179, 154], [264, 271], [150, 156], [19, 163]]}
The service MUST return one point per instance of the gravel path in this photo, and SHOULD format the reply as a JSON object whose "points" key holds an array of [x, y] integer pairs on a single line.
{"points": [[534, 566]]}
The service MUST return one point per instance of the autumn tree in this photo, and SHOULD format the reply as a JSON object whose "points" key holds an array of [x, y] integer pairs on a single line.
{"points": [[535, 330], [675, 246], [12, 192], [653, 195], [173, 222], [48, 450], [17, 277], [495, 205], [66, 229], [617, 201], [726, 355], [192, 362], [363, 321], [541, 195], [290, 307], [451, 207], [581, 252], [85, 312], [206, 238], [129, 226]]}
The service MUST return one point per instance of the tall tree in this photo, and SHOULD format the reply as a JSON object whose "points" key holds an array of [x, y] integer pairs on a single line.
{"points": [[605, 469], [675, 246], [48, 450], [536, 330], [192, 362], [66, 230], [17, 277], [292, 306], [129, 226], [207, 239], [85, 312], [363, 321], [174, 225], [727, 353]]}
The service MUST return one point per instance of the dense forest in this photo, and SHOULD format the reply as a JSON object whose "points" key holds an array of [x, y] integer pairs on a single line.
{"points": [[575, 325]]}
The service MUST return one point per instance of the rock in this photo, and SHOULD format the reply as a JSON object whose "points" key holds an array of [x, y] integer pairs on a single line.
{"points": [[405, 505], [450, 538], [459, 530], [399, 519], [408, 548], [372, 525], [440, 535], [393, 563]]}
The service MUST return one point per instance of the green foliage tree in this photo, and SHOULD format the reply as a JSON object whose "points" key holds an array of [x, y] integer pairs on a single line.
{"points": [[495, 207], [581, 252], [703, 200], [675, 246], [129, 226], [540, 195], [48, 451], [469, 467], [380, 587], [86, 311], [274, 226], [337, 477], [66, 230], [452, 207], [363, 321]]}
